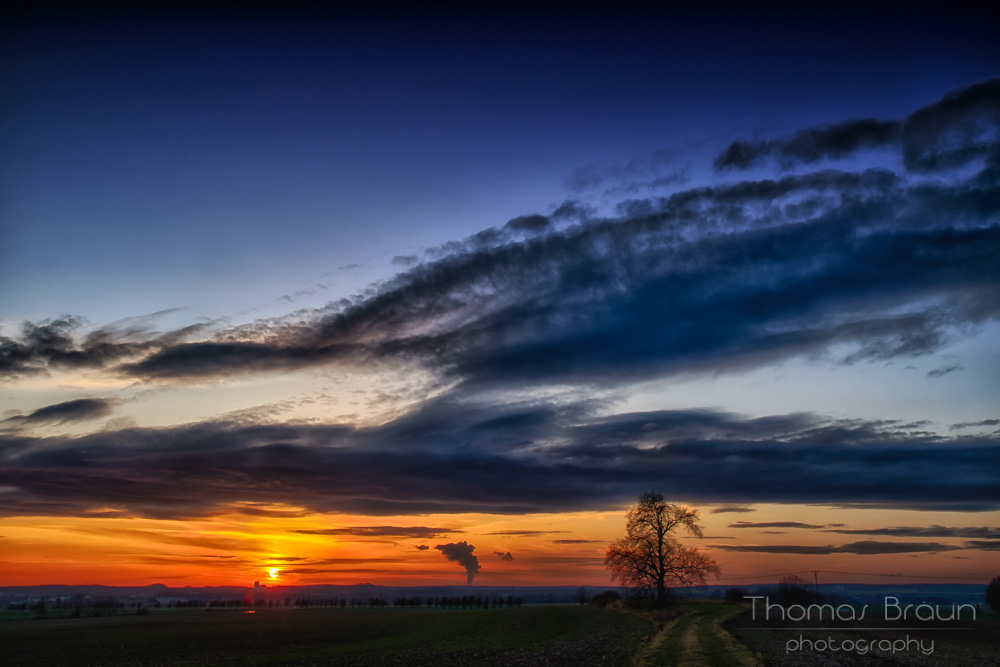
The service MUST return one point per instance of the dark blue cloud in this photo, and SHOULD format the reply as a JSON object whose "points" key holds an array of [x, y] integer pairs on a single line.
{"points": [[479, 463], [812, 145], [951, 133], [707, 280], [53, 344], [622, 300]]}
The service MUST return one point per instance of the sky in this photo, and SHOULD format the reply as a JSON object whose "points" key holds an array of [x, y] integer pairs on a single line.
{"points": [[430, 298]]}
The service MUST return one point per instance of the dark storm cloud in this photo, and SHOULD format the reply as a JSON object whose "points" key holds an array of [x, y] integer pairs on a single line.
{"points": [[455, 458], [462, 553], [951, 133], [381, 531], [925, 531], [82, 409], [860, 548]]}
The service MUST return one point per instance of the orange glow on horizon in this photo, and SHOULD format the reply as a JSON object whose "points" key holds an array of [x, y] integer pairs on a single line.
{"points": [[293, 547]]}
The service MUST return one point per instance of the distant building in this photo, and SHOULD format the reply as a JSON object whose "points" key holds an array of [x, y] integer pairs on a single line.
{"points": [[259, 591]]}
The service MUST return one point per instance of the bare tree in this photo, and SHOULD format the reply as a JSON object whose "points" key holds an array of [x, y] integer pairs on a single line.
{"points": [[649, 557]]}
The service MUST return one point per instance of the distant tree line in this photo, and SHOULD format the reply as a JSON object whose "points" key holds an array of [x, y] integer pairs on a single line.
{"points": [[415, 602], [791, 590], [81, 605], [77, 606]]}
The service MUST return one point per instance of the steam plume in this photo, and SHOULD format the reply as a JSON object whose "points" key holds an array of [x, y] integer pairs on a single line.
{"points": [[461, 553]]}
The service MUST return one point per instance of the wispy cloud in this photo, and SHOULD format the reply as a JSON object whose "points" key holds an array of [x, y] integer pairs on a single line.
{"points": [[867, 548], [924, 531], [525, 533], [773, 524], [731, 509], [82, 409], [380, 531], [53, 344], [983, 545], [984, 422]]}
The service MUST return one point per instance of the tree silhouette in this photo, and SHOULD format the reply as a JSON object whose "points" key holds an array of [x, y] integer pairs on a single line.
{"points": [[793, 589], [649, 557], [993, 594]]}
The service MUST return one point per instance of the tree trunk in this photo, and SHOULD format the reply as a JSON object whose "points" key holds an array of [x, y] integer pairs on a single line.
{"points": [[661, 593]]}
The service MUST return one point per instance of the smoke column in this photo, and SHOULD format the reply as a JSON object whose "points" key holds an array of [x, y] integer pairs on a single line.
{"points": [[461, 553]]}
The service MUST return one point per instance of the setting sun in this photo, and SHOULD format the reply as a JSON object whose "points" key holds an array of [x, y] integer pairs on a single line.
{"points": [[273, 573]]}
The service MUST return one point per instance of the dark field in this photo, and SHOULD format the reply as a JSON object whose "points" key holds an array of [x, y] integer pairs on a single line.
{"points": [[552, 635], [690, 633]]}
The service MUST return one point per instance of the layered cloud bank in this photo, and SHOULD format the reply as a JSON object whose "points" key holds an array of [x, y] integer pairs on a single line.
{"points": [[819, 260], [885, 261], [467, 458]]}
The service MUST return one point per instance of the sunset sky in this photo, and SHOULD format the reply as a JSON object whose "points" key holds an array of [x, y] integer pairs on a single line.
{"points": [[334, 294]]}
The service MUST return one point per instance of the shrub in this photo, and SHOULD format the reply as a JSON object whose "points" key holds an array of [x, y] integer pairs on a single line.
{"points": [[606, 598], [735, 595]]}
